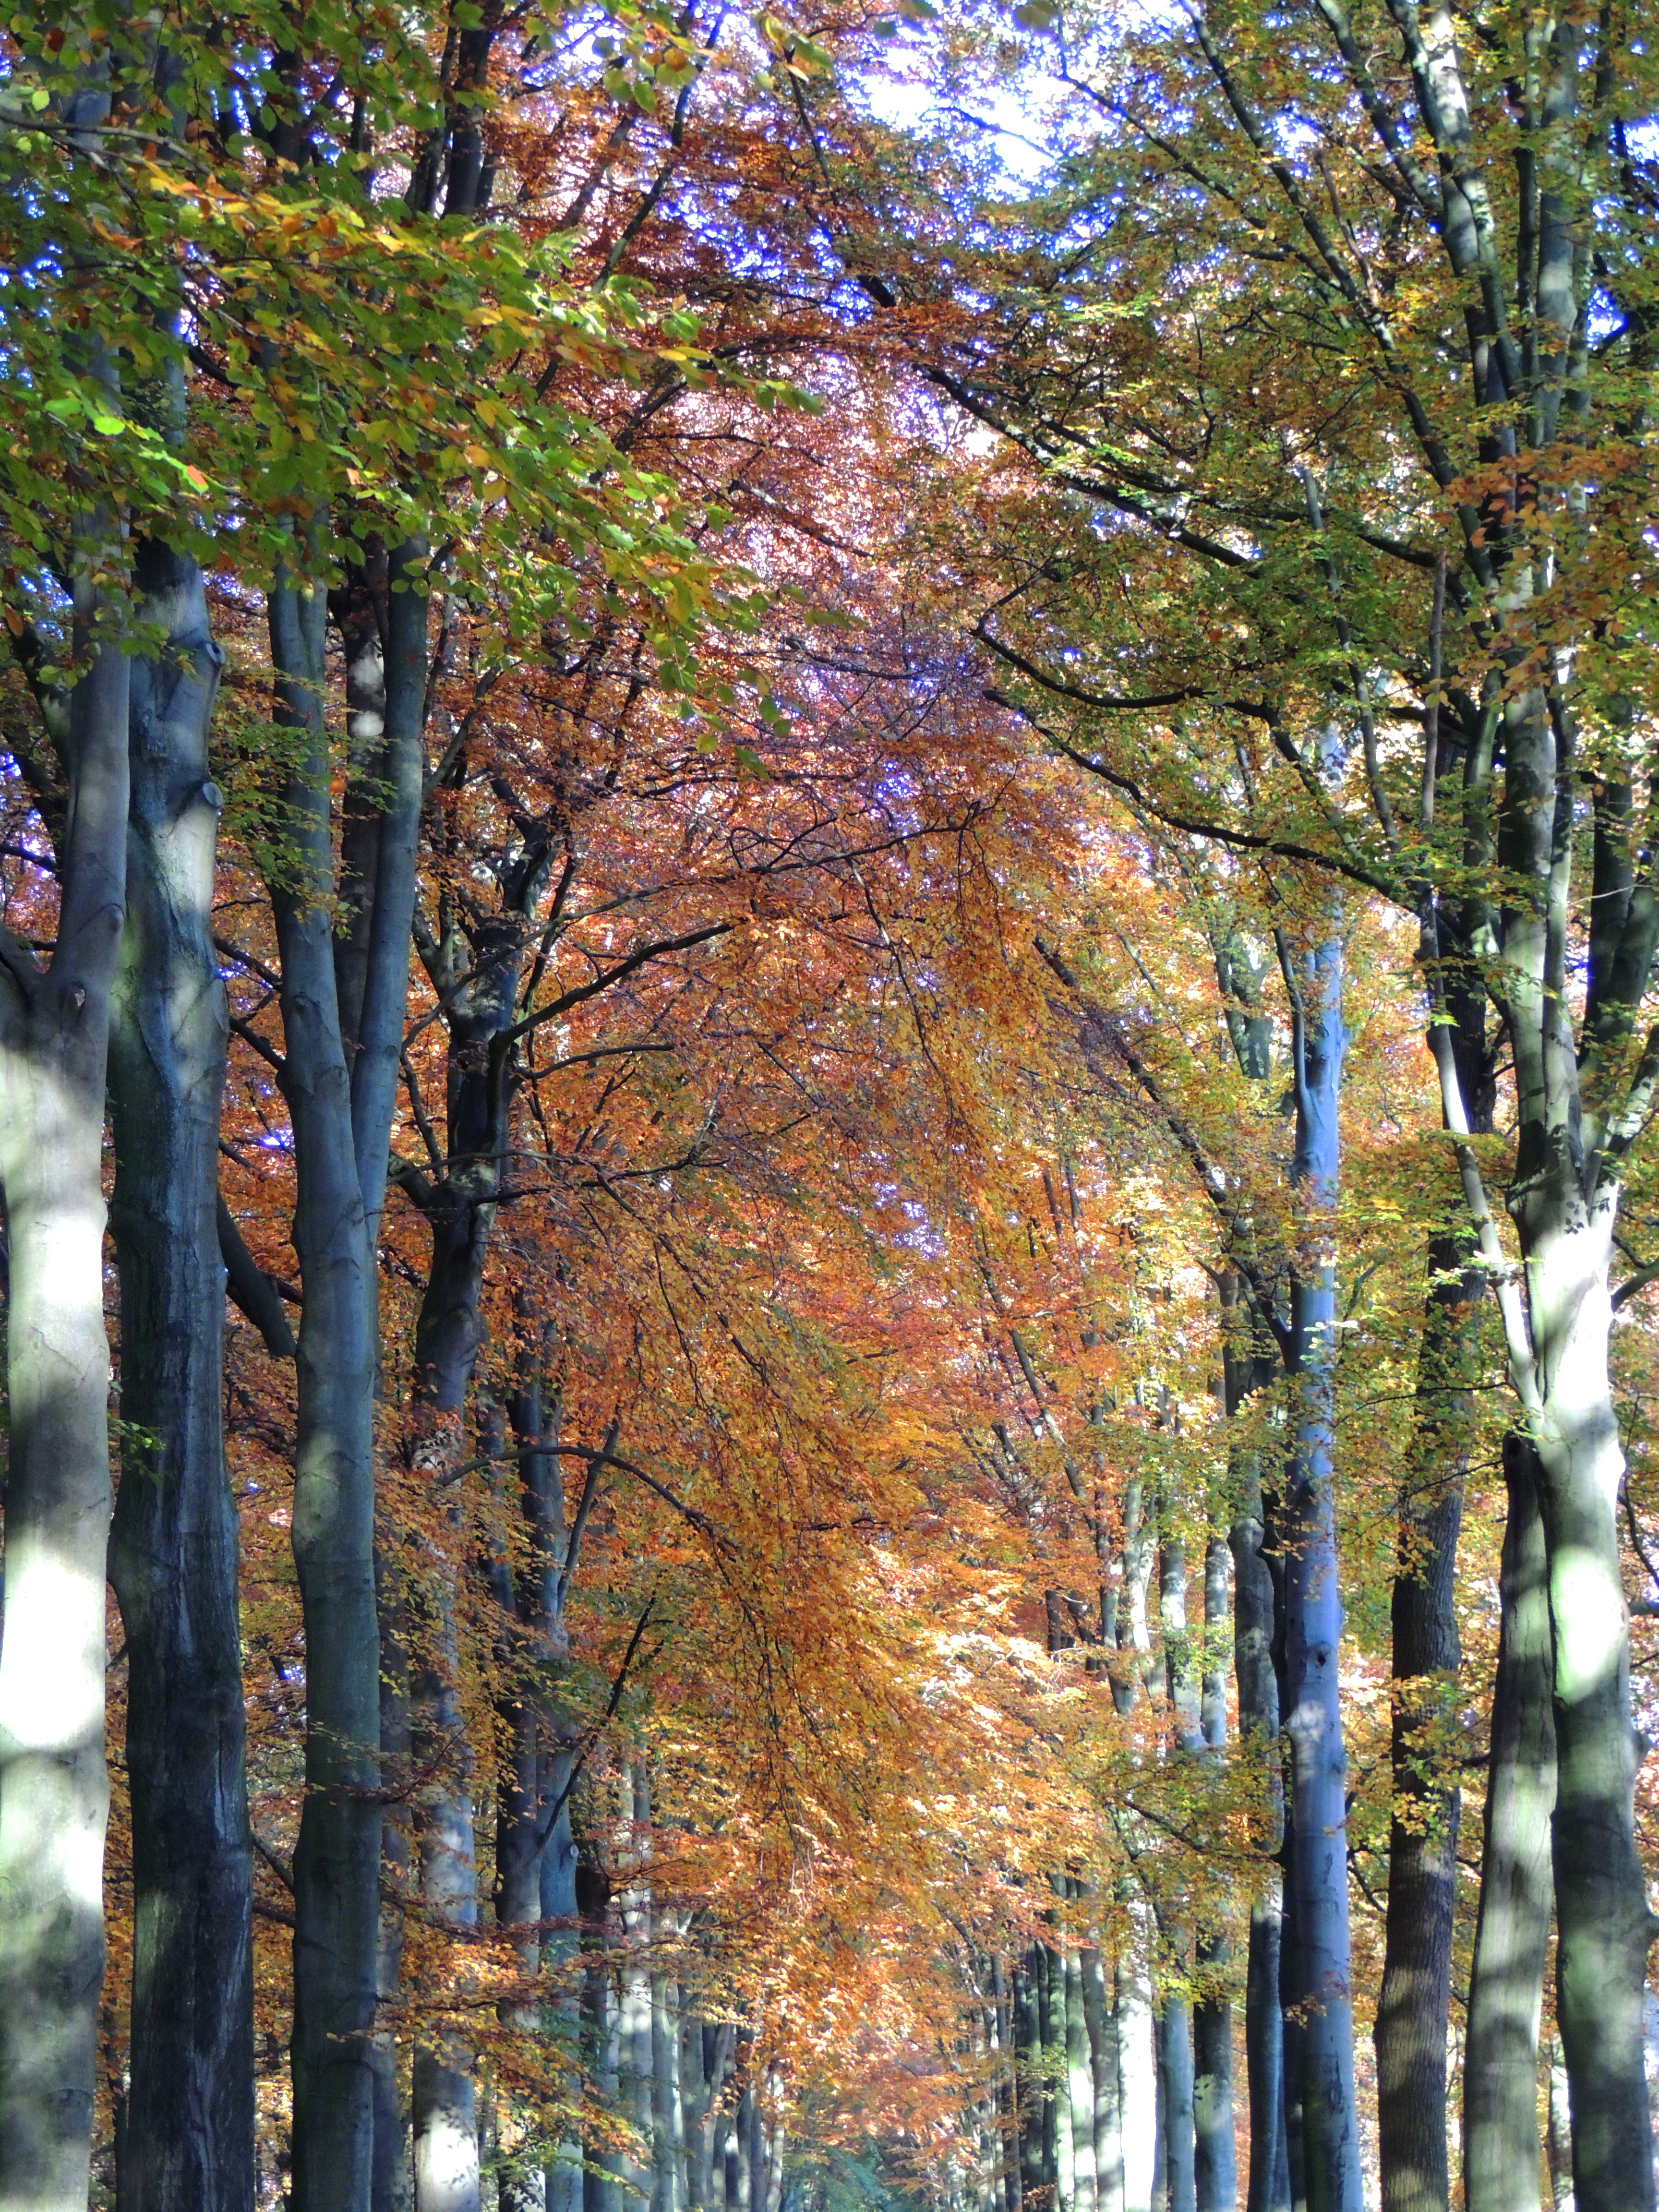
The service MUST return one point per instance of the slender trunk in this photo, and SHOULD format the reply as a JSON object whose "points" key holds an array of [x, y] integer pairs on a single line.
{"points": [[1175, 2063], [1506, 1981], [336, 1862], [54, 1789], [636, 1917], [560, 1944], [535, 1853], [1255, 1608], [444, 2096], [601, 2188], [1079, 2084], [1415, 1998], [1032, 2100], [1057, 2103], [1215, 2174], [1268, 2184], [188, 2132], [1317, 1889]]}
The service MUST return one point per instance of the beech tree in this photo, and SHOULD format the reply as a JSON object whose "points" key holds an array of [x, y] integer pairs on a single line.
{"points": [[755, 831]]}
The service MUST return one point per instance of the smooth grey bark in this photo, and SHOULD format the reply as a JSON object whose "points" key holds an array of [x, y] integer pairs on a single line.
{"points": [[1100, 2014], [54, 1789], [1175, 2066], [337, 1860], [187, 2136], [1582, 1100], [340, 1107], [1506, 1979], [1317, 1889]]}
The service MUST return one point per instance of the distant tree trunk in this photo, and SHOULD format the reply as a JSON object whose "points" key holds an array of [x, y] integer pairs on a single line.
{"points": [[54, 1787], [1080, 2083], [1415, 1997], [1506, 1981], [635, 1901], [1215, 2171], [1033, 2102], [1057, 2107], [1175, 2027], [188, 2131], [1245, 1370]]}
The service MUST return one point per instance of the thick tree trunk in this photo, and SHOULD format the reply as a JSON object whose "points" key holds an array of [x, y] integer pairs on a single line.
{"points": [[54, 1789], [1316, 1891], [1603, 1926], [1506, 1981], [188, 2132], [1415, 1997]]}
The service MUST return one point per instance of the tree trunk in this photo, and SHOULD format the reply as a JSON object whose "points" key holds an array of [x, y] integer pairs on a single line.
{"points": [[54, 1789], [336, 1862], [1138, 2091], [188, 2133], [1079, 2084], [1254, 1607], [1215, 2166], [1317, 1889], [1175, 2062], [1415, 1997], [1506, 1981], [1057, 2102], [1100, 2014]]}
